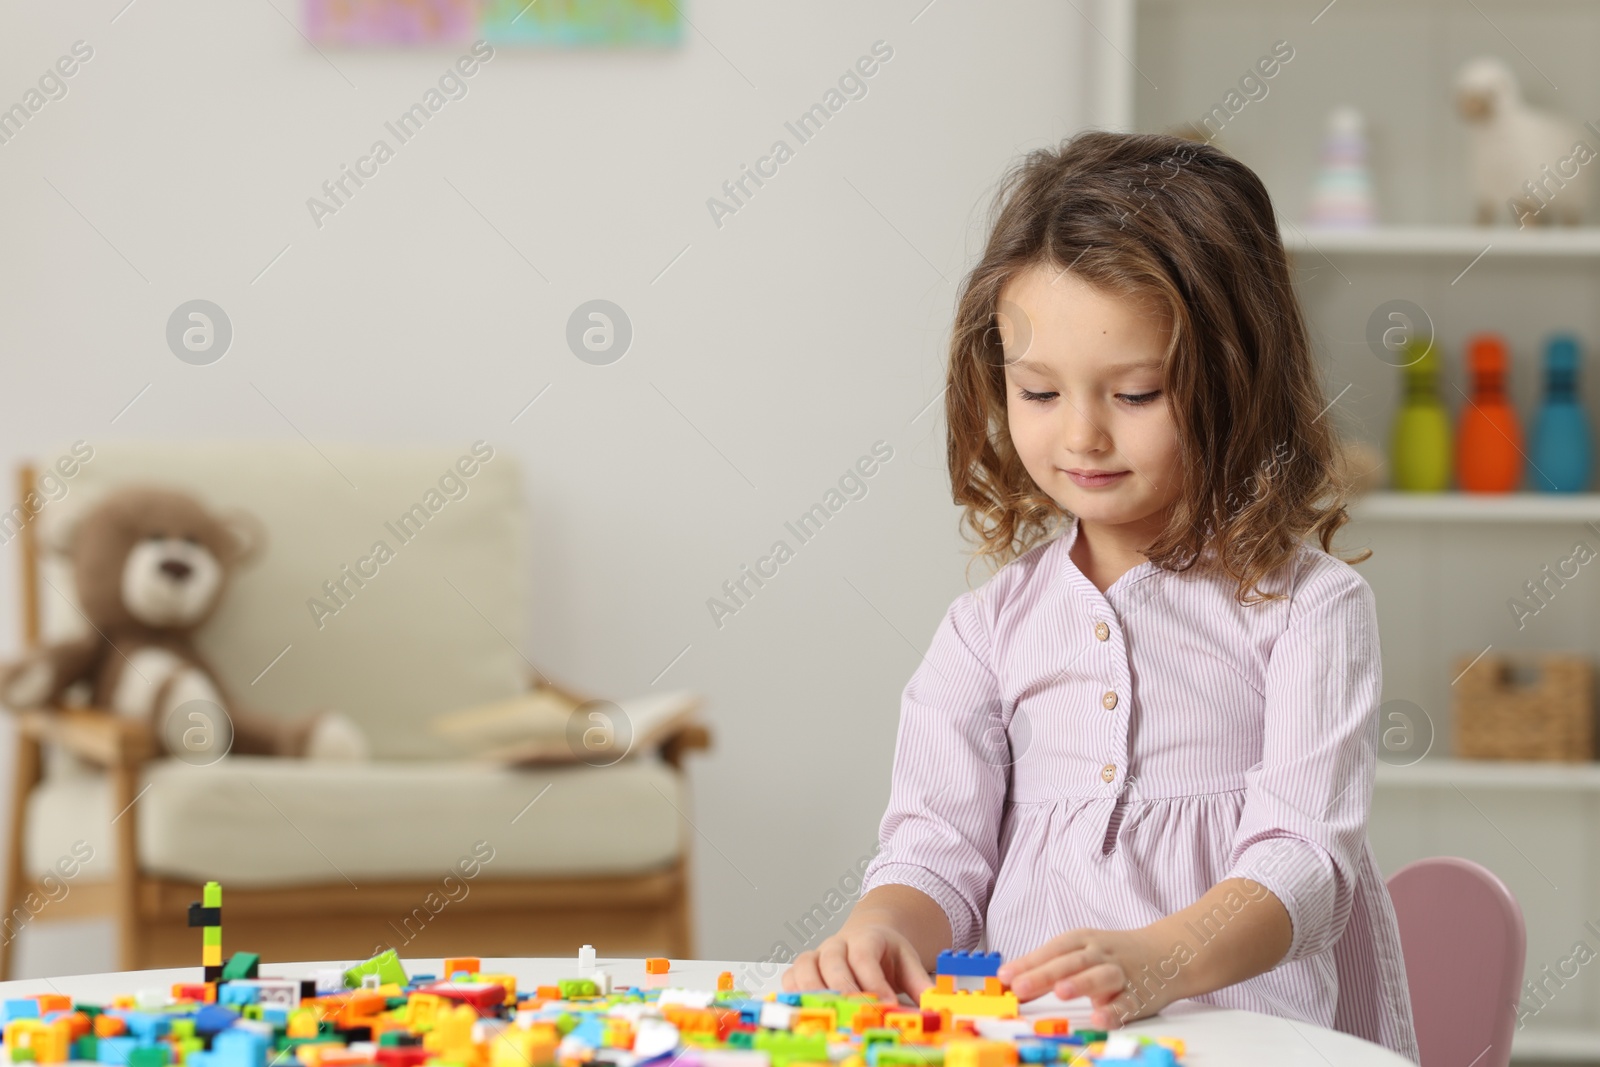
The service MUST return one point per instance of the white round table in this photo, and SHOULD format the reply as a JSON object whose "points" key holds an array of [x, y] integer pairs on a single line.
{"points": [[1213, 1037]]}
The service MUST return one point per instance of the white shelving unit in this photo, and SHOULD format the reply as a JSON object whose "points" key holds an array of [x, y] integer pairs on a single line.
{"points": [[1448, 567], [1468, 241], [1388, 506]]}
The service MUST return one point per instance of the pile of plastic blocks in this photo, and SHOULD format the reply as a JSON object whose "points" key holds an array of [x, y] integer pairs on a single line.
{"points": [[375, 1013]]}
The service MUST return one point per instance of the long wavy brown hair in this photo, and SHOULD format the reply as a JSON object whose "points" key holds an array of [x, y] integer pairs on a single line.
{"points": [[1152, 216]]}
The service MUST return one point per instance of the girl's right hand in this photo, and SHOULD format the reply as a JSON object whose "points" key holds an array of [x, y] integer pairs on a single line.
{"points": [[866, 957]]}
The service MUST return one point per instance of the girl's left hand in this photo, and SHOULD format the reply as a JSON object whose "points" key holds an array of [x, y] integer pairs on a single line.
{"points": [[1102, 965]]}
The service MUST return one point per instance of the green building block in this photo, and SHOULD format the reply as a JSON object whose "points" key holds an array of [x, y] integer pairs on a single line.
{"points": [[879, 1035], [22, 1055], [148, 1056], [1090, 1035], [386, 965], [86, 1047], [211, 896], [910, 1055], [182, 1029], [782, 1046], [241, 965], [577, 987], [211, 935]]}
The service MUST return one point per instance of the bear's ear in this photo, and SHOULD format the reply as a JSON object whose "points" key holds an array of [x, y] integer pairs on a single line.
{"points": [[56, 536], [246, 533]]}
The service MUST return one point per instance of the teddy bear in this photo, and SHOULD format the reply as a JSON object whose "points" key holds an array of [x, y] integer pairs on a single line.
{"points": [[150, 565]]}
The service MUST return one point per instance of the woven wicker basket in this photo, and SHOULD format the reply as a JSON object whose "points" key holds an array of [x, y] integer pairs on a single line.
{"points": [[1551, 719]]}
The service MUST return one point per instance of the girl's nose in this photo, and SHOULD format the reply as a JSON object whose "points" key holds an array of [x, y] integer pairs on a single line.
{"points": [[1082, 431]]}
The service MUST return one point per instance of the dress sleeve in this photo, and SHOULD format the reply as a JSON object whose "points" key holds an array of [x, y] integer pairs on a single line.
{"points": [[1303, 830], [941, 832]]}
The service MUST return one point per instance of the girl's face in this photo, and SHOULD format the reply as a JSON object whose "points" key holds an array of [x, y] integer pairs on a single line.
{"points": [[1084, 393]]}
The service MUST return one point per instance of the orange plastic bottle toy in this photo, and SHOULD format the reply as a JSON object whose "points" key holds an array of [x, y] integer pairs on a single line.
{"points": [[1489, 438]]}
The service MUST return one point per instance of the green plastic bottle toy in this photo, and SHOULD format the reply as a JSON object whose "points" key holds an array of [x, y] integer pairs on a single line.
{"points": [[1419, 445]]}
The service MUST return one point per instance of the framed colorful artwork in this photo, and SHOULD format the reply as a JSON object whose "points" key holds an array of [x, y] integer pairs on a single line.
{"points": [[558, 23]]}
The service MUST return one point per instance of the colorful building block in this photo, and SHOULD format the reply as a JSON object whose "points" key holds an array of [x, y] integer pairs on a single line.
{"points": [[975, 964], [374, 1015]]}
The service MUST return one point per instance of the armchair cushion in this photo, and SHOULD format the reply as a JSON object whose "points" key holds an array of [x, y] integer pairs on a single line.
{"points": [[255, 822]]}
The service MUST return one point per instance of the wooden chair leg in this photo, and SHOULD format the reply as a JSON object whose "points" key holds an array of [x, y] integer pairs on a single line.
{"points": [[124, 782], [683, 902], [27, 776]]}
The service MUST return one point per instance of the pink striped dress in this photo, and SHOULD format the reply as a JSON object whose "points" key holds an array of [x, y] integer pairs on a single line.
{"points": [[1069, 758]]}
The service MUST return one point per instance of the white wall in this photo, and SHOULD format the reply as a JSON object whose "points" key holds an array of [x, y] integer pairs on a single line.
{"points": [[766, 360]]}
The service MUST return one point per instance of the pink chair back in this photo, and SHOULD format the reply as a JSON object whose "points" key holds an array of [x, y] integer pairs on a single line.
{"points": [[1464, 942]]}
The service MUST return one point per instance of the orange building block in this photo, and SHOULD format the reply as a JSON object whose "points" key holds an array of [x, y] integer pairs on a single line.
{"points": [[725, 982], [657, 965], [691, 1020], [109, 1026], [867, 1017], [1052, 1026], [970, 1053], [452, 964]]}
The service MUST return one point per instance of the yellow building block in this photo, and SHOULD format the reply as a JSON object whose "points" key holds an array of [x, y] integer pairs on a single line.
{"points": [[49, 1042], [965, 1052], [961, 1002], [211, 956], [813, 1020], [451, 1037], [519, 1047], [507, 980], [422, 1010], [302, 1023]]}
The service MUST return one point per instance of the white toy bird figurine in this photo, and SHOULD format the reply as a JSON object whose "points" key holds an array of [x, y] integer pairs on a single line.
{"points": [[1527, 164]]}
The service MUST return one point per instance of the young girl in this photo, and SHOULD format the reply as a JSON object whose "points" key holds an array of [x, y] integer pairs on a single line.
{"points": [[1137, 762]]}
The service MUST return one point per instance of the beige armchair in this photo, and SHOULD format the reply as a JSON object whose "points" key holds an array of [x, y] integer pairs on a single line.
{"points": [[334, 860]]}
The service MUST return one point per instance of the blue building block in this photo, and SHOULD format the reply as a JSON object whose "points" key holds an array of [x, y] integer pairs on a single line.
{"points": [[591, 1031], [969, 964], [146, 1026], [19, 1009], [792, 999], [1155, 1055], [115, 1049], [239, 1048], [233, 993], [213, 1019], [1036, 1052]]}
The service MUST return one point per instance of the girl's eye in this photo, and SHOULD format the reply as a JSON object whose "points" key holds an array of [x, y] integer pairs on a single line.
{"points": [[1131, 399]]}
